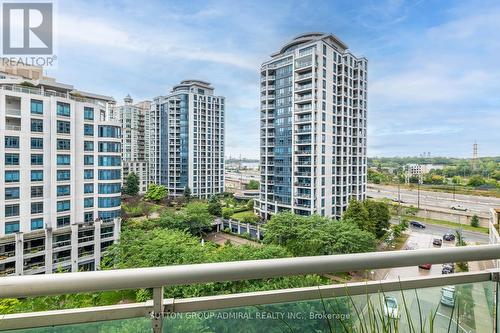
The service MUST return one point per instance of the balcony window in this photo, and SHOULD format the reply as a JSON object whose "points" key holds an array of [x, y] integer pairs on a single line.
{"points": [[88, 130], [109, 147], [88, 188], [36, 106], [88, 160], [110, 160], [37, 125], [37, 175], [88, 216], [109, 132], [88, 174], [36, 207], [11, 227], [63, 127], [63, 144], [109, 202], [11, 193], [37, 224], [88, 113], [63, 206], [63, 190], [88, 202], [37, 191], [63, 159], [63, 221], [36, 143], [11, 210], [11, 159], [12, 176], [63, 175], [109, 188], [88, 145], [63, 109], [109, 214], [109, 174], [12, 142], [36, 159]]}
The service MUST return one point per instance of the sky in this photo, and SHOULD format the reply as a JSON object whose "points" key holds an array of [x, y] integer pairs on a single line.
{"points": [[433, 76]]}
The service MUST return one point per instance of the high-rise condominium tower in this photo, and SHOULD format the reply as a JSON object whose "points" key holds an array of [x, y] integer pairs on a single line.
{"points": [[313, 127], [135, 147], [60, 174], [191, 139]]}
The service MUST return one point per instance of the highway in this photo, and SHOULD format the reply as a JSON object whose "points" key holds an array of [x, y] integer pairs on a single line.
{"points": [[475, 204]]}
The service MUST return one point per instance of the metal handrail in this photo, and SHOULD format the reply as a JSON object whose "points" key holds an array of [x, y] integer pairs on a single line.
{"points": [[136, 278]]}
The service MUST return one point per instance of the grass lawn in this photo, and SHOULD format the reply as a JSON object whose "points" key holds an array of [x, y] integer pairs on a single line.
{"points": [[448, 223], [242, 215]]}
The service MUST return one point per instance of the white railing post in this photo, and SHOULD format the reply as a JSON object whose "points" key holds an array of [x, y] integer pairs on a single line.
{"points": [[157, 314]]}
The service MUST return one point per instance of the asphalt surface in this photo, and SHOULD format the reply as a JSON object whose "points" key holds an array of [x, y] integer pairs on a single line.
{"points": [[474, 204]]}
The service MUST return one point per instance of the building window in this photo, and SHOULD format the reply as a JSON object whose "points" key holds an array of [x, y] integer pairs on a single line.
{"points": [[63, 175], [63, 159], [88, 160], [109, 132], [109, 174], [88, 174], [63, 190], [12, 176], [88, 113], [88, 145], [11, 193], [37, 125], [109, 214], [88, 216], [88, 130], [11, 159], [88, 202], [36, 207], [88, 188], [63, 109], [11, 210], [109, 147], [37, 175], [63, 221], [110, 160], [36, 191], [36, 106], [11, 142], [63, 144], [36, 159], [36, 143], [63, 206], [11, 227], [36, 224], [109, 202], [109, 188], [63, 127]]}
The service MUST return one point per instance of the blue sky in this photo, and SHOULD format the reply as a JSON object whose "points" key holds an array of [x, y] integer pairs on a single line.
{"points": [[434, 65]]}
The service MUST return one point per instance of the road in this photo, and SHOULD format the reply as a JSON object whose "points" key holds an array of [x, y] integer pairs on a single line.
{"points": [[428, 199]]}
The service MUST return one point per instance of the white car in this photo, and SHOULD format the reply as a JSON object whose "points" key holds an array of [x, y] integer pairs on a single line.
{"points": [[448, 295], [391, 308], [458, 207]]}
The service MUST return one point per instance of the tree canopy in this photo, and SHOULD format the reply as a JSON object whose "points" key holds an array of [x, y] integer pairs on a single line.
{"points": [[156, 193], [131, 186]]}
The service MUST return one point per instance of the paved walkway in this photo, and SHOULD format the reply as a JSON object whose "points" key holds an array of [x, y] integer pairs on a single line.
{"points": [[220, 238]]}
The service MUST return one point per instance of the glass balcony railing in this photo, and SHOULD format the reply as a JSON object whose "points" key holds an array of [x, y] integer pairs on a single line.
{"points": [[460, 302]]}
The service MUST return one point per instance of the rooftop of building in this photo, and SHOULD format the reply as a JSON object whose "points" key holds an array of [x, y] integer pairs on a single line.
{"points": [[309, 37]]}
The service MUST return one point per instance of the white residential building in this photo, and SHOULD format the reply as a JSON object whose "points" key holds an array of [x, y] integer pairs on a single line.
{"points": [[313, 127], [135, 147], [190, 147], [60, 174]]}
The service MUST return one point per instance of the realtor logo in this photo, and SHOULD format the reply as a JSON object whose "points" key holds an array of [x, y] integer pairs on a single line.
{"points": [[27, 28]]}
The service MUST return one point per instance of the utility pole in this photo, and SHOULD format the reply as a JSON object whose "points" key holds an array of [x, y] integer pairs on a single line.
{"points": [[418, 195]]}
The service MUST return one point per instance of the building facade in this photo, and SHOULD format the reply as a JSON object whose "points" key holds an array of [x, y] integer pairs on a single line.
{"points": [[191, 139], [60, 174], [135, 147], [313, 127]]}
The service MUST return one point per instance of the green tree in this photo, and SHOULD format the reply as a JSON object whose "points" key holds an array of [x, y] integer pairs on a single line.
{"points": [[357, 213], [250, 204], [156, 193], [187, 193], [131, 184], [198, 218], [474, 222], [214, 206], [457, 180], [379, 215], [476, 181], [345, 237], [253, 185]]}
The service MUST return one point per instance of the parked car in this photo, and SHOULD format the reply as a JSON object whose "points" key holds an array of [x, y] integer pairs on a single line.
{"points": [[448, 268], [397, 200], [449, 237], [448, 295], [391, 308], [458, 207], [425, 266], [417, 224], [437, 241]]}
